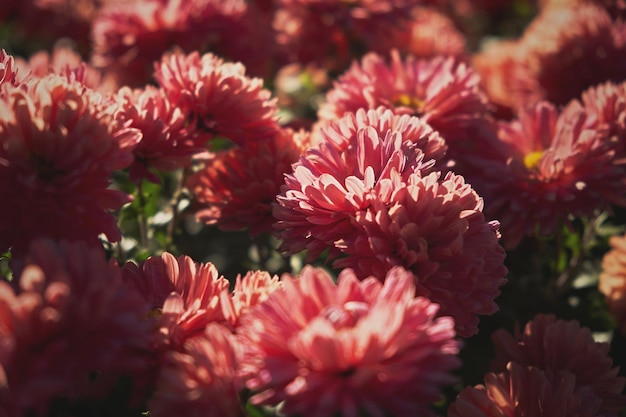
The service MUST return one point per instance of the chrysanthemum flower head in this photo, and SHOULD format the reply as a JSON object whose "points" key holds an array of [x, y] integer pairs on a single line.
{"points": [[8, 69], [220, 99], [128, 38], [526, 391], [236, 188], [60, 143], [544, 167], [200, 381], [554, 345], [71, 319], [361, 156], [166, 143], [434, 227], [612, 281], [251, 289], [606, 106], [185, 294], [321, 348], [441, 91]]}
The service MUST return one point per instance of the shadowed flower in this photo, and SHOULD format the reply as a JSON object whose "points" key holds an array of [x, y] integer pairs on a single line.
{"points": [[220, 99], [361, 157], [554, 345], [441, 91], [60, 143], [331, 33], [350, 348], [71, 319], [435, 228], [166, 144], [200, 380], [562, 52], [545, 167], [526, 391], [613, 280], [236, 188], [250, 290], [185, 294], [129, 38]]}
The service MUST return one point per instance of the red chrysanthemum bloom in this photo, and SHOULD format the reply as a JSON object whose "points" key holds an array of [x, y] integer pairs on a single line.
{"points": [[236, 188], [186, 294], [321, 348], [526, 391], [331, 33], [441, 91], [612, 282], [558, 345], [221, 100], [71, 319], [129, 38], [166, 142], [361, 156], [200, 380], [434, 227], [60, 143], [251, 289], [545, 167]]}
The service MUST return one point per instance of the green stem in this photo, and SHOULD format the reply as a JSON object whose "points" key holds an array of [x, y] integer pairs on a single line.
{"points": [[174, 203]]}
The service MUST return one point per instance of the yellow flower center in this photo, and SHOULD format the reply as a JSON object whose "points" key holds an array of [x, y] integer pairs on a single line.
{"points": [[532, 159], [409, 101]]}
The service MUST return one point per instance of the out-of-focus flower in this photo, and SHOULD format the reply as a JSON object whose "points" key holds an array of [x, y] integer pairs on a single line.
{"points": [[430, 33], [251, 289], [236, 188], [526, 391], [606, 106], [60, 143], [434, 227], [545, 167], [166, 142], [554, 345], [331, 33], [561, 53], [71, 324], [321, 348], [441, 91], [219, 98], [200, 380], [612, 281], [185, 294], [360, 158]]}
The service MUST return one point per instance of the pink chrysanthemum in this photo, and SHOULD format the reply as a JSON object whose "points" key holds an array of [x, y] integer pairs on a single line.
{"points": [[350, 348], [128, 38], [561, 53], [441, 91], [545, 167], [435, 228], [186, 294], [8, 70], [236, 188], [606, 106], [558, 345], [60, 143], [200, 381], [252, 289], [526, 391], [612, 282], [72, 319], [330, 33], [360, 158], [221, 100], [166, 142]]}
